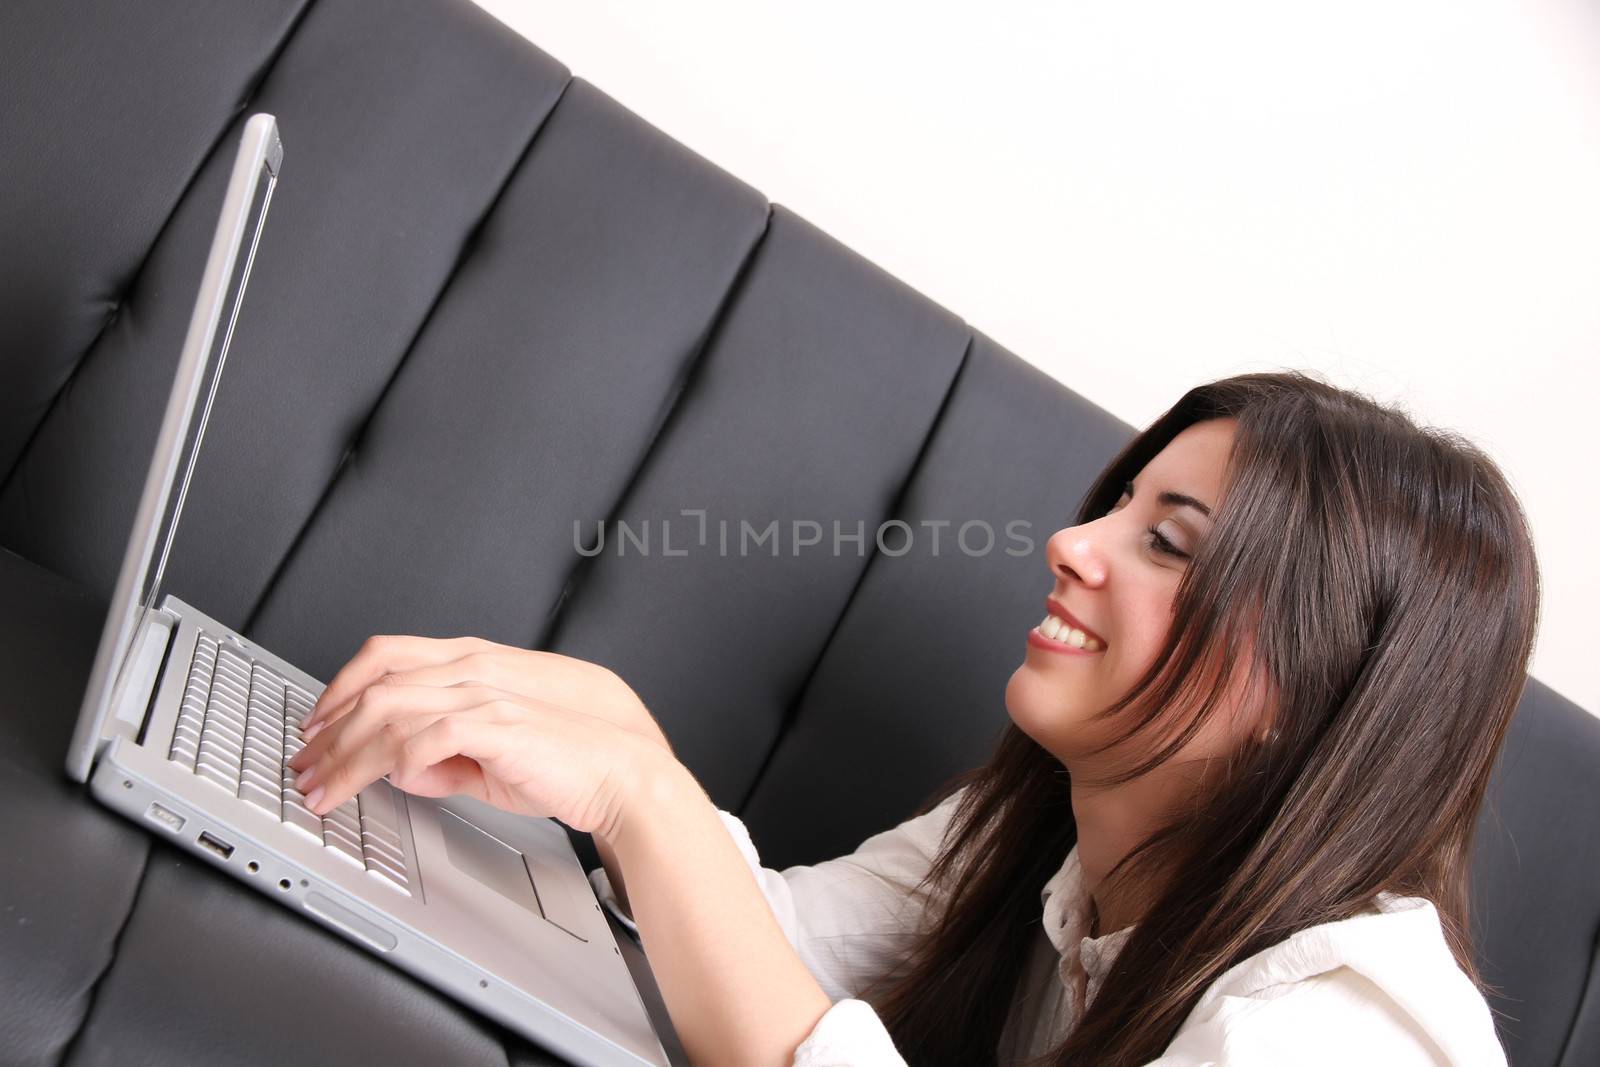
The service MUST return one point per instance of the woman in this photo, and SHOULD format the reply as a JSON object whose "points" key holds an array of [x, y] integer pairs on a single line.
{"points": [[1230, 821]]}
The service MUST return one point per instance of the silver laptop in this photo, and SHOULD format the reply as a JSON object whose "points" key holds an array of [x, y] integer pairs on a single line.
{"points": [[186, 728]]}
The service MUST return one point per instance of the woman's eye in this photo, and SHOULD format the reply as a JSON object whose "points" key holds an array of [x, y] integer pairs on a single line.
{"points": [[1159, 542]]}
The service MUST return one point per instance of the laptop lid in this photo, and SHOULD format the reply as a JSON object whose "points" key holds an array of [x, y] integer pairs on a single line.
{"points": [[216, 310]]}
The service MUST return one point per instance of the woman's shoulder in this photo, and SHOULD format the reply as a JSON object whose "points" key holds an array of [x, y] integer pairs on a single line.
{"points": [[1382, 985]]}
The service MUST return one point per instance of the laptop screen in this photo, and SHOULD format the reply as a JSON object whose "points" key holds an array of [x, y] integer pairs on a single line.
{"points": [[211, 374], [216, 312]]}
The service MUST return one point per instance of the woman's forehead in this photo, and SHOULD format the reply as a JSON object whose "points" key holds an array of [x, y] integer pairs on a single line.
{"points": [[1193, 462]]}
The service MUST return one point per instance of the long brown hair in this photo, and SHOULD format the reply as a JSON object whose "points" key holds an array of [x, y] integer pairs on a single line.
{"points": [[1379, 577]]}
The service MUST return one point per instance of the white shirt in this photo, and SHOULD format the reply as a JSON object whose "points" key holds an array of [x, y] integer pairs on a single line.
{"points": [[1378, 988]]}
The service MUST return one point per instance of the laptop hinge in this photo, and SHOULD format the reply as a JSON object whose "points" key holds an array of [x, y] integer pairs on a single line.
{"points": [[135, 693]]}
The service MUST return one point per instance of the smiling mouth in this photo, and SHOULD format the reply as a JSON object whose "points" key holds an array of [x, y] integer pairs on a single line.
{"points": [[1057, 636], [1063, 632]]}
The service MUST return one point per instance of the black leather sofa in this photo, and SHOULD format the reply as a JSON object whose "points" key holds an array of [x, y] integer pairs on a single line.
{"points": [[490, 301]]}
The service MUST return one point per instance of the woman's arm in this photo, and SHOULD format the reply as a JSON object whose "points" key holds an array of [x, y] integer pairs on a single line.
{"points": [[734, 986], [854, 918], [441, 717]]}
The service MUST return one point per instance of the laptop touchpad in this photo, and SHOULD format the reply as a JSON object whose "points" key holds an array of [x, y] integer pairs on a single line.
{"points": [[494, 863]]}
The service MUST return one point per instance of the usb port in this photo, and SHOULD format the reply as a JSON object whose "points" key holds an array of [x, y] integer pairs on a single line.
{"points": [[165, 816], [212, 844]]}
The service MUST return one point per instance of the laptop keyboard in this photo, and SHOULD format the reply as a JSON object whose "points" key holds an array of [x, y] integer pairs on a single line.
{"points": [[238, 727]]}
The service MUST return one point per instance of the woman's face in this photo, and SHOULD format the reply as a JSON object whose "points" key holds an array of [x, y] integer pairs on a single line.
{"points": [[1118, 581]]}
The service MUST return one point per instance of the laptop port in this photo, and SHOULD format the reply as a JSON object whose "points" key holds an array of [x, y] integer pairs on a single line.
{"points": [[165, 816], [213, 844]]}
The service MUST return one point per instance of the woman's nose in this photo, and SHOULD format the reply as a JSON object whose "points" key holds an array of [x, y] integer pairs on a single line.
{"points": [[1075, 552]]}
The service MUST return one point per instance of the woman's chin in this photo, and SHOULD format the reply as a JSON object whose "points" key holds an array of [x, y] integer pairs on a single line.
{"points": [[1037, 705]]}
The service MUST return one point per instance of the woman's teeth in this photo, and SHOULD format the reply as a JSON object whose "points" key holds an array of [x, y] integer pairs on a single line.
{"points": [[1056, 630]]}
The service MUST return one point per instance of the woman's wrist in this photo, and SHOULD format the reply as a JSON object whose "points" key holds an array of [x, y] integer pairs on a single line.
{"points": [[651, 781]]}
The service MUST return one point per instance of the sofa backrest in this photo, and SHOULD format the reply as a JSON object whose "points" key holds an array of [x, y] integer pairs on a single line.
{"points": [[488, 301]]}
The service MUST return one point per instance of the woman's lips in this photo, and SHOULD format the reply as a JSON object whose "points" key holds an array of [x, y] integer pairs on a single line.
{"points": [[1060, 612], [1039, 640]]}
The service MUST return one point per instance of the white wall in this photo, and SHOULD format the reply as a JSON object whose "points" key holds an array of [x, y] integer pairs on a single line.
{"points": [[1138, 197]]}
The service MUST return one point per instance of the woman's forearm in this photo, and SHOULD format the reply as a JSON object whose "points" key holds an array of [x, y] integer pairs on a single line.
{"points": [[734, 986], [645, 726]]}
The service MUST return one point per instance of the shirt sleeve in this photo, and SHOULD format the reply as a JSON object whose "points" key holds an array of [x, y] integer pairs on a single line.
{"points": [[1336, 1018], [851, 919], [849, 1034]]}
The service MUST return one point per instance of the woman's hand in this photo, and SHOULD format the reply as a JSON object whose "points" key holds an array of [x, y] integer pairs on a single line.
{"points": [[513, 752], [546, 676]]}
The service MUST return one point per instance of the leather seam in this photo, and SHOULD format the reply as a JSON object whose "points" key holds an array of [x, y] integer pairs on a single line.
{"points": [[896, 507], [111, 960], [665, 420], [469, 243], [1587, 999], [125, 291]]}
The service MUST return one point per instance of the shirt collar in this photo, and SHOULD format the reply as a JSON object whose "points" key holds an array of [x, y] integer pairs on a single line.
{"points": [[1066, 923]]}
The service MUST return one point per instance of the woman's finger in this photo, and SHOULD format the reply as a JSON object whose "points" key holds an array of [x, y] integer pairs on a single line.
{"points": [[458, 774], [381, 707], [378, 655], [383, 753], [433, 766], [387, 654], [346, 733], [472, 666], [545, 676]]}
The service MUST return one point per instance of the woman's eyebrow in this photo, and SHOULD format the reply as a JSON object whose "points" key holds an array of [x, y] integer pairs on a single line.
{"points": [[1177, 500]]}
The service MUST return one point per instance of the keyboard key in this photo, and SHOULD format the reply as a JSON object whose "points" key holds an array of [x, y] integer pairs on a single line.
{"points": [[299, 818], [342, 817], [389, 876], [266, 800], [192, 713], [220, 729], [231, 684], [266, 763], [221, 778], [226, 769], [390, 854], [226, 747], [261, 728], [220, 760], [382, 861], [297, 705], [334, 834], [342, 845], [239, 725], [379, 832], [264, 781], [231, 680], [393, 881]]}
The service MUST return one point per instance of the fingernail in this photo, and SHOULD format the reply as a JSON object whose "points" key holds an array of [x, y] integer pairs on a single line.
{"points": [[311, 732], [305, 777], [314, 798]]}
